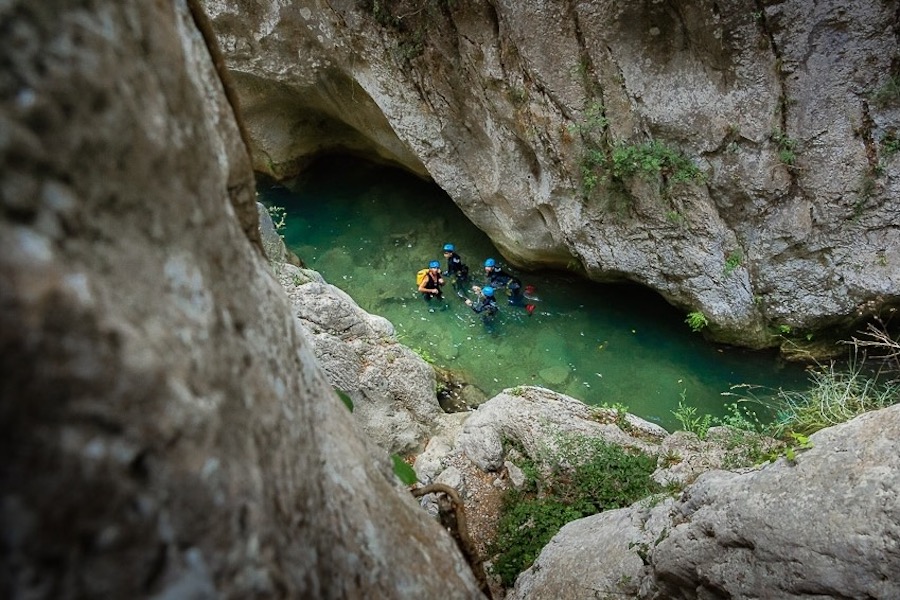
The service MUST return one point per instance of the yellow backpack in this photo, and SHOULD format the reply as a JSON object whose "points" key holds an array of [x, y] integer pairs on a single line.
{"points": [[420, 277]]}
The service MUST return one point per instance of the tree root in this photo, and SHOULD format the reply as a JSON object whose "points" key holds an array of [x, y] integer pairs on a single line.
{"points": [[453, 518]]}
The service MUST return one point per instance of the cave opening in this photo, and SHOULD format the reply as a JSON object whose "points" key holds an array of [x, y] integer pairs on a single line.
{"points": [[368, 228]]}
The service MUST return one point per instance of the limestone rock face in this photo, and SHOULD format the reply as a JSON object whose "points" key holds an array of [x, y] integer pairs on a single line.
{"points": [[532, 415], [826, 526], [165, 430], [539, 119], [392, 388]]}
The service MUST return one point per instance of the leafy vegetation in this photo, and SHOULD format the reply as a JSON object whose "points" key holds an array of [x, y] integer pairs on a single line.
{"points": [[890, 145], [733, 261], [348, 402], [403, 471], [410, 20], [279, 218], [696, 321], [652, 159], [675, 217], [594, 122], [787, 147], [621, 415], [690, 420], [888, 94], [613, 165], [584, 476], [835, 394]]}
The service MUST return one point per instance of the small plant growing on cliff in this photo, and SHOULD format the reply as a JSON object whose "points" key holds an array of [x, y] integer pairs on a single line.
{"points": [[652, 159], [887, 94], [787, 147], [517, 96], [424, 355], [890, 145], [733, 261], [697, 321], [675, 217], [279, 218], [594, 123]]}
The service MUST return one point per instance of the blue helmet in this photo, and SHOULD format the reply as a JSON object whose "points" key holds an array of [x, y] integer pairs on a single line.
{"points": [[487, 291], [449, 247], [490, 262], [434, 265]]}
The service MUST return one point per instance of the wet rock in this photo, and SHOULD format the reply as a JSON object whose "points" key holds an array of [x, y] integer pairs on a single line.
{"points": [[554, 376]]}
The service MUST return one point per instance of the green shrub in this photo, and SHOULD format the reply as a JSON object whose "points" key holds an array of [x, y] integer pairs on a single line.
{"points": [[652, 159], [595, 121], [696, 321], [787, 147], [733, 261], [890, 145], [889, 93], [525, 528], [586, 476]]}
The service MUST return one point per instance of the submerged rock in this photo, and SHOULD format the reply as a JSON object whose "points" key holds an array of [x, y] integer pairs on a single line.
{"points": [[555, 376]]}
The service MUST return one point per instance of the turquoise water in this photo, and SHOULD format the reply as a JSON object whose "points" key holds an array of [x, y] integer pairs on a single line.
{"points": [[367, 229]]}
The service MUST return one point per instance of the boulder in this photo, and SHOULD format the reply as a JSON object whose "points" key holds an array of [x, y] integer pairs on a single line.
{"points": [[825, 525], [533, 417], [392, 388]]}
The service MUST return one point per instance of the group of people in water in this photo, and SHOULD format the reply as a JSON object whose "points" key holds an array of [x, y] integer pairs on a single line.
{"points": [[431, 281]]}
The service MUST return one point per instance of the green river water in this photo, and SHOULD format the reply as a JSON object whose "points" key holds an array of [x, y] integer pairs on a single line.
{"points": [[367, 229]]}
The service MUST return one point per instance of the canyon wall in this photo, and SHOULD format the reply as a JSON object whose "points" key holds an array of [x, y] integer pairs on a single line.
{"points": [[741, 160]]}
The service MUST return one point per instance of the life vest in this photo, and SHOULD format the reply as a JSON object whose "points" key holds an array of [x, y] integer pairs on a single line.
{"points": [[420, 277]]}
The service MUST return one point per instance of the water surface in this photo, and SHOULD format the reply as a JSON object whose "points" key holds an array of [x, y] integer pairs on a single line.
{"points": [[367, 229]]}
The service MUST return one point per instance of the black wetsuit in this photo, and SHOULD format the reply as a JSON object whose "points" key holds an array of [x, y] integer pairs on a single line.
{"points": [[498, 279], [487, 308], [457, 269], [487, 305]]}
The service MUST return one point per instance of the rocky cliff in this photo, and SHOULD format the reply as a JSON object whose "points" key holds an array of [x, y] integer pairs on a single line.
{"points": [[165, 431], [742, 160]]}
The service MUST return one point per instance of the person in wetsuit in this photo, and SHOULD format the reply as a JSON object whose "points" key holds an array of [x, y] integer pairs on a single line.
{"points": [[497, 278], [455, 267], [486, 305], [432, 283]]}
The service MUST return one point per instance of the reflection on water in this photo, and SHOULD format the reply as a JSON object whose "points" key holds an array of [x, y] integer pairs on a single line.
{"points": [[369, 229]]}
